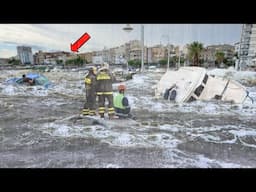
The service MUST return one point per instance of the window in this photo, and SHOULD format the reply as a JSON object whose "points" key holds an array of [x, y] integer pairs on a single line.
{"points": [[191, 99], [199, 90], [205, 79]]}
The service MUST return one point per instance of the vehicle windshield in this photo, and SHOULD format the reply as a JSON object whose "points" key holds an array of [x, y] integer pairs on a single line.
{"points": [[41, 80]]}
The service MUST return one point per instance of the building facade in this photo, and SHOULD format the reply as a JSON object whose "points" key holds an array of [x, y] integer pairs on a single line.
{"points": [[252, 48], [4, 60], [244, 59], [86, 56], [209, 53], [237, 47], [25, 55], [51, 57]]}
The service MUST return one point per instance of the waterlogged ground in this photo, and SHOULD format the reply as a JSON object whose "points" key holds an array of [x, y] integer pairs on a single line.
{"points": [[39, 128]]}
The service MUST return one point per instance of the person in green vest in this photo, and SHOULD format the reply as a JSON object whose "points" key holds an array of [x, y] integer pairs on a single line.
{"points": [[121, 103]]}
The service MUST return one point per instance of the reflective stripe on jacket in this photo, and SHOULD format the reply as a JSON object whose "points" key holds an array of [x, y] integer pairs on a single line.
{"points": [[87, 81], [104, 82]]}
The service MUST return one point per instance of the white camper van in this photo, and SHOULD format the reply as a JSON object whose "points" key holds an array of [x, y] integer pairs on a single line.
{"points": [[193, 83]]}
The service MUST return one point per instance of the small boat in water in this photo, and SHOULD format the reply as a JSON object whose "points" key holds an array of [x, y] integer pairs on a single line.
{"points": [[193, 83]]}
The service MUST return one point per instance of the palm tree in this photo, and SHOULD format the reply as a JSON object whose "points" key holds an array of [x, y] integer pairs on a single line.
{"points": [[219, 57], [194, 52]]}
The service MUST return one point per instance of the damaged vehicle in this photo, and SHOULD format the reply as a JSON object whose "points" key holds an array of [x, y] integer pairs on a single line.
{"points": [[121, 75], [193, 83], [38, 79]]}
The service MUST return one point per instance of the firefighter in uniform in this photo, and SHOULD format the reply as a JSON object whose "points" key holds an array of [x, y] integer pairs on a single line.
{"points": [[104, 80], [90, 88]]}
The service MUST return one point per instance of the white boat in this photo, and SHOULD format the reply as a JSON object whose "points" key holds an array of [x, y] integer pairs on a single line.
{"points": [[193, 83]]}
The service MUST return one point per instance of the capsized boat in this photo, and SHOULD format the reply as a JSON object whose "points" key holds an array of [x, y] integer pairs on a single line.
{"points": [[193, 83]]}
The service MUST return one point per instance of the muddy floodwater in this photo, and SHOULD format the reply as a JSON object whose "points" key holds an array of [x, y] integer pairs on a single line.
{"points": [[38, 128]]}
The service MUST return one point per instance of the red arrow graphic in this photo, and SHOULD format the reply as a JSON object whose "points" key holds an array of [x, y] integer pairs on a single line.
{"points": [[79, 43]]}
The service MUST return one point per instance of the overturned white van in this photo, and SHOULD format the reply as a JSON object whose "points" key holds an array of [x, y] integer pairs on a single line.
{"points": [[193, 83]]}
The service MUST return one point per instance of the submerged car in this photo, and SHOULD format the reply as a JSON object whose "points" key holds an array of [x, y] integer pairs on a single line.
{"points": [[39, 79], [121, 75]]}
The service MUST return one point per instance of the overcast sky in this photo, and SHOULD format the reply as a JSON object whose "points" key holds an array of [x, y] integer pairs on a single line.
{"points": [[58, 37]]}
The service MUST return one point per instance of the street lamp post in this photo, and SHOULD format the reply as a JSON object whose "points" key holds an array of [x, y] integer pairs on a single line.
{"points": [[142, 47], [168, 54], [128, 28], [179, 59]]}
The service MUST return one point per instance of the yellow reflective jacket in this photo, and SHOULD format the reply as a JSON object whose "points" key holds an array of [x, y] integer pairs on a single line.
{"points": [[104, 80], [90, 82]]}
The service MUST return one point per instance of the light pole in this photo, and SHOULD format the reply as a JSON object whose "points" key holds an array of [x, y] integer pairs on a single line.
{"points": [[142, 48], [238, 64], [179, 59], [168, 54], [128, 28]]}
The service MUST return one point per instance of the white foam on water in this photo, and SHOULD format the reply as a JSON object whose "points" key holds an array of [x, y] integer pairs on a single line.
{"points": [[162, 140], [176, 158], [247, 144], [111, 165], [9, 90], [21, 90], [233, 74], [242, 133], [123, 139], [206, 134], [138, 79], [204, 162], [214, 128], [39, 91], [69, 89], [216, 139], [208, 108], [209, 137], [62, 130], [53, 102], [100, 133], [112, 137], [173, 128]]}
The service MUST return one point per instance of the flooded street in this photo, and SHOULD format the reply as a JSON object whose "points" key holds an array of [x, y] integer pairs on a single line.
{"points": [[38, 128]]}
